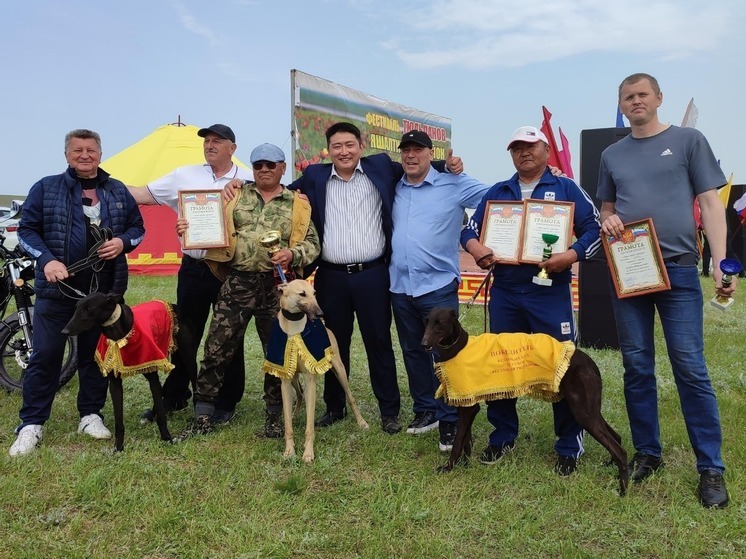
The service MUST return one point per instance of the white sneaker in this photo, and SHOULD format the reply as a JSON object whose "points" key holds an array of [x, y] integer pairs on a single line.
{"points": [[93, 426], [28, 439]]}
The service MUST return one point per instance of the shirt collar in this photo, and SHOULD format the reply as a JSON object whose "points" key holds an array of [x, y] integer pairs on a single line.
{"points": [[429, 179], [232, 173], [358, 168]]}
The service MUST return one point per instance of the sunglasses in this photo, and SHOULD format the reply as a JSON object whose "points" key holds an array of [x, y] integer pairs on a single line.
{"points": [[271, 165]]}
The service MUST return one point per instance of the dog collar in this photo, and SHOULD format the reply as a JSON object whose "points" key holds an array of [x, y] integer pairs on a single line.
{"points": [[294, 316], [114, 316]]}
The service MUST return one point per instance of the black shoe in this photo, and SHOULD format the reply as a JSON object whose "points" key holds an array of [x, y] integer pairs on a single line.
{"points": [[565, 465], [711, 490], [148, 416], [492, 453], [447, 431], [642, 466], [390, 424], [199, 425], [221, 417], [330, 418], [273, 427], [422, 423]]}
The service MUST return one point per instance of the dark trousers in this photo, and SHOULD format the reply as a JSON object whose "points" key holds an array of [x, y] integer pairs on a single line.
{"points": [[410, 314], [42, 374], [196, 292], [243, 295], [546, 310], [364, 294]]}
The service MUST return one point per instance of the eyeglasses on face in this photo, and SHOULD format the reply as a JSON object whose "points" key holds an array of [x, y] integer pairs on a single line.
{"points": [[271, 165]]}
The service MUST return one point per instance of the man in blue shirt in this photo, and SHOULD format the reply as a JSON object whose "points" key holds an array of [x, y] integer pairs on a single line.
{"points": [[428, 214]]}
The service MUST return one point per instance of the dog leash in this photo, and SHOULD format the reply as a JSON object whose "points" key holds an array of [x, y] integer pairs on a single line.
{"points": [[486, 285], [93, 260]]}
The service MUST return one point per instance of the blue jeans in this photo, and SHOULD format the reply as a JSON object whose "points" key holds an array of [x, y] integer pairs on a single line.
{"points": [[410, 314], [681, 315]]}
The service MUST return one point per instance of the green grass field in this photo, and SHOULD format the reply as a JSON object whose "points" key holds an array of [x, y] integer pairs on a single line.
{"points": [[367, 495]]}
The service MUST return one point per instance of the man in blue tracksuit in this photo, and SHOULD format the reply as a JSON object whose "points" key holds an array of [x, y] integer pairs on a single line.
{"points": [[519, 305], [57, 230]]}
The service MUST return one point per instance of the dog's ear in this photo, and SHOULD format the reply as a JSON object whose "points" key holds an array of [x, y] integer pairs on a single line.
{"points": [[115, 297], [281, 287], [452, 313]]}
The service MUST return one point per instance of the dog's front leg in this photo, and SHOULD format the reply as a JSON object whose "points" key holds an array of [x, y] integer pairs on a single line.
{"points": [[115, 389], [308, 454], [287, 412], [462, 443]]}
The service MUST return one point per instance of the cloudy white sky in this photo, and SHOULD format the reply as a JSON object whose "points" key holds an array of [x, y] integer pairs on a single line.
{"points": [[126, 68]]}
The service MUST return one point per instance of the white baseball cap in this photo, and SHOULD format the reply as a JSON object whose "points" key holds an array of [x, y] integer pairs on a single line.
{"points": [[528, 134]]}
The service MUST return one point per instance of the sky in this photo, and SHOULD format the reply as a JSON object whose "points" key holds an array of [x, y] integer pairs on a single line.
{"points": [[126, 68]]}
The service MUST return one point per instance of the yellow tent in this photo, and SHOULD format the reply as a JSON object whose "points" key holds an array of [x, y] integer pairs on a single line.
{"points": [[159, 153]]}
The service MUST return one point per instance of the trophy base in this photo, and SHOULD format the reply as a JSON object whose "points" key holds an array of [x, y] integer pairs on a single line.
{"points": [[547, 282], [721, 304]]}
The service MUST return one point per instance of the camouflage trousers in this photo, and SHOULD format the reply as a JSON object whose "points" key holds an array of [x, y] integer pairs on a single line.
{"points": [[242, 296]]}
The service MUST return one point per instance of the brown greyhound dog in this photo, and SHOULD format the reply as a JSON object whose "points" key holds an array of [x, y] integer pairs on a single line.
{"points": [[116, 320], [580, 387], [299, 319]]}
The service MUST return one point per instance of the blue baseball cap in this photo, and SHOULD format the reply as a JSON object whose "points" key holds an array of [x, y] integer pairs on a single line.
{"points": [[267, 152]]}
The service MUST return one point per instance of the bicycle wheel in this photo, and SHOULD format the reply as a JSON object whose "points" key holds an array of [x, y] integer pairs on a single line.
{"points": [[14, 356]]}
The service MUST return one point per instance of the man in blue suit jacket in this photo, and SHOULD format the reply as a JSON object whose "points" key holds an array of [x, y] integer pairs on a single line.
{"points": [[351, 201]]}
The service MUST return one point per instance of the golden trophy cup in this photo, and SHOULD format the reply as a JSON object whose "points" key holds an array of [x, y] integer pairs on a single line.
{"points": [[542, 278], [272, 241], [730, 267]]}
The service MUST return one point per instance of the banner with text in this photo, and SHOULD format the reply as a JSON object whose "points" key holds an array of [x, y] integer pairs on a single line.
{"points": [[319, 103]]}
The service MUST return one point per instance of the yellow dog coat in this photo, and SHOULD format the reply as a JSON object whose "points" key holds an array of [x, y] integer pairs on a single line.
{"points": [[500, 366]]}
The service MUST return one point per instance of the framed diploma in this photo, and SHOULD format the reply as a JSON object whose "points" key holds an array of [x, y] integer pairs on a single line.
{"points": [[542, 217], [203, 209], [501, 230], [635, 260]]}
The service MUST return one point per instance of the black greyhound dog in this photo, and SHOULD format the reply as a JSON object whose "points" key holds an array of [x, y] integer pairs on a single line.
{"points": [[116, 320], [580, 387]]}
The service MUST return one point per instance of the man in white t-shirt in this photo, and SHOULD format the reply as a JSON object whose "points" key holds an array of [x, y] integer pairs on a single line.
{"points": [[197, 288]]}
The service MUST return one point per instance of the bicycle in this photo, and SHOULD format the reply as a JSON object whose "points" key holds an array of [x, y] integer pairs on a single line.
{"points": [[16, 330]]}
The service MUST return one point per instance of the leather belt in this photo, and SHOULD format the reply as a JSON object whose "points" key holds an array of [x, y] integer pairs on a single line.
{"points": [[352, 268], [687, 259]]}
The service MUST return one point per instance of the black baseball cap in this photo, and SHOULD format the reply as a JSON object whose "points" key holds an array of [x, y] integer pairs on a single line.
{"points": [[220, 129], [416, 137]]}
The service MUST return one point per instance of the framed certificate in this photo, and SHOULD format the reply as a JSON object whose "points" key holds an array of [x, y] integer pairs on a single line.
{"points": [[501, 230], [542, 216], [203, 209], [635, 260]]}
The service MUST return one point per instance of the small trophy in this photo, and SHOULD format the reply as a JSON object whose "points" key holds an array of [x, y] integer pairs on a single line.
{"points": [[729, 267], [542, 278], [271, 240]]}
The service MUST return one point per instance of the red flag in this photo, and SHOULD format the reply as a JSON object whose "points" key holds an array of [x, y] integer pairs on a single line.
{"points": [[546, 128], [557, 157], [565, 155]]}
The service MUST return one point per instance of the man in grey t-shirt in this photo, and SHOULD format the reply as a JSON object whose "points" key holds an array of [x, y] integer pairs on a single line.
{"points": [[657, 172]]}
